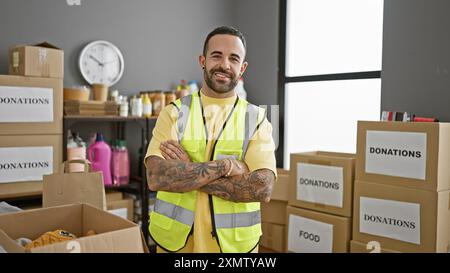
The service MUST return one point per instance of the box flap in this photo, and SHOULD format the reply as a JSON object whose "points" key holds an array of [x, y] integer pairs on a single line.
{"points": [[47, 45]]}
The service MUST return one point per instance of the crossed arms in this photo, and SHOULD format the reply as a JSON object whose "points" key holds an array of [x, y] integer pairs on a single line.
{"points": [[227, 178]]}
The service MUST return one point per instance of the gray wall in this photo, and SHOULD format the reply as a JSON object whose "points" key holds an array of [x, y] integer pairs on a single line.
{"points": [[160, 39], [416, 57], [258, 20]]}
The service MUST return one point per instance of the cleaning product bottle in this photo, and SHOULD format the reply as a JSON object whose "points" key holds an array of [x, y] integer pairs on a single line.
{"points": [[99, 154], [121, 164]]}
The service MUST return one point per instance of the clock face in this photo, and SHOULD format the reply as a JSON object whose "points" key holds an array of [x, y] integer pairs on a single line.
{"points": [[101, 62]]}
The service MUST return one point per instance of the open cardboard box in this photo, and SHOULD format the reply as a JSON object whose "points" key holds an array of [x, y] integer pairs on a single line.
{"points": [[113, 233]]}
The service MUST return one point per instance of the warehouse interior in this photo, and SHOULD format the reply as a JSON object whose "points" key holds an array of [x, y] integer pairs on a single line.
{"points": [[355, 93]]}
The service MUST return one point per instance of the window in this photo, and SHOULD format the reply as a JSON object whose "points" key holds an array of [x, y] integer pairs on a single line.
{"points": [[330, 53]]}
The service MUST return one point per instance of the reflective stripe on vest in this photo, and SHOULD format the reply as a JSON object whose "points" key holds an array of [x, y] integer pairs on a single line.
{"points": [[183, 115], [174, 212], [251, 122], [235, 220]]}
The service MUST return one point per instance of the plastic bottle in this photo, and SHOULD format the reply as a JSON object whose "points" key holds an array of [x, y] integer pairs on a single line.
{"points": [[120, 164], [146, 106], [76, 149], [136, 107], [158, 102], [124, 107], [99, 154]]}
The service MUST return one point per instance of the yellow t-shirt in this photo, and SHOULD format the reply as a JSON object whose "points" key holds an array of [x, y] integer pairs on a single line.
{"points": [[260, 155]]}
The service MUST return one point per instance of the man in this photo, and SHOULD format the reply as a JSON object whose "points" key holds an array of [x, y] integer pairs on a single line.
{"points": [[211, 159]]}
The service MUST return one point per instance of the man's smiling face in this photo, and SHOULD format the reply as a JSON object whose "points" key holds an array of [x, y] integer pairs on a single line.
{"points": [[224, 62]]}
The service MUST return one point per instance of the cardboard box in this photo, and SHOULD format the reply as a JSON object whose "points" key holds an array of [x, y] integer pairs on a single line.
{"points": [[274, 212], [313, 232], [114, 234], [402, 219], [40, 60], [273, 237], [30, 106], [404, 154], [322, 181], [114, 196], [281, 186], [122, 208], [358, 247], [24, 160]]}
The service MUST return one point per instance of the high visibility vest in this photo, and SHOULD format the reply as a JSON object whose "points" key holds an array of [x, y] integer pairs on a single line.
{"points": [[236, 225]]}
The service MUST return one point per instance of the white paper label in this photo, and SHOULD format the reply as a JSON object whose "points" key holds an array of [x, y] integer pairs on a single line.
{"points": [[402, 154], [122, 212], [25, 163], [309, 236], [26, 104], [320, 184], [391, 219]]}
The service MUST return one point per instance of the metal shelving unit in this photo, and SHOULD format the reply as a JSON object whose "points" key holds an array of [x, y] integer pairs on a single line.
{"points": [[137, 185]]}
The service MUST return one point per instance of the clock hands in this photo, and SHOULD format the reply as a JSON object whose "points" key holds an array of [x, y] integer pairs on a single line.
{"points": [[95, 59]]}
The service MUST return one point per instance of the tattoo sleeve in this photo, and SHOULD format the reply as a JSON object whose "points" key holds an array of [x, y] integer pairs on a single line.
{"points": [[179, 176], [250, 187]]}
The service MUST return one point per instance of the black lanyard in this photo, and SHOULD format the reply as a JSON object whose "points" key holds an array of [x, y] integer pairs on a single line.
{"points": [[223, 126]]}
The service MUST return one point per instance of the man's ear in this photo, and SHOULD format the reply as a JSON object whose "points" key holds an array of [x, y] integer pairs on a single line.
{"points": [[202, 61], [243, 67]]}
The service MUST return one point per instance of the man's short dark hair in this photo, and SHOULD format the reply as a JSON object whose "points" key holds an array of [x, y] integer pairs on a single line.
{"points": [[224, 30]]}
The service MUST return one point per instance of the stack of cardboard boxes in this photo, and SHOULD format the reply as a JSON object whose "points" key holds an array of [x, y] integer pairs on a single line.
{"points": [[320, 202], [31, 119], [402, 189], [273, 215]]}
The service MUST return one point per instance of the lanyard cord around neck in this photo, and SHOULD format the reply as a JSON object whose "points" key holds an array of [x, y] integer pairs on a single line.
{"points": [[223, 126]]}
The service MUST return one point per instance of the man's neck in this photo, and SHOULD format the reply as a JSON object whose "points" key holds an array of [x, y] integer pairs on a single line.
{"points": [[213, 94]]}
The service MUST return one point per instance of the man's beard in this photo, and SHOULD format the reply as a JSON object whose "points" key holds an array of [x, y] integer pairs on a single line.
{"points": [[217, 87]]}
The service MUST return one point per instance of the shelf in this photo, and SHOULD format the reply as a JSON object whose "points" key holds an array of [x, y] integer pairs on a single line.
{"points": [[106, 118], [138, 185], [133, 187]]}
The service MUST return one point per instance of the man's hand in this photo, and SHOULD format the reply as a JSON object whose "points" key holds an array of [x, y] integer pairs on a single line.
{"points": [[173, 150]]}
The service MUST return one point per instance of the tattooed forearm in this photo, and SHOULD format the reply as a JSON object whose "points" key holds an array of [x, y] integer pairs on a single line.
{"points": [[179, 176], [251, 187]]}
